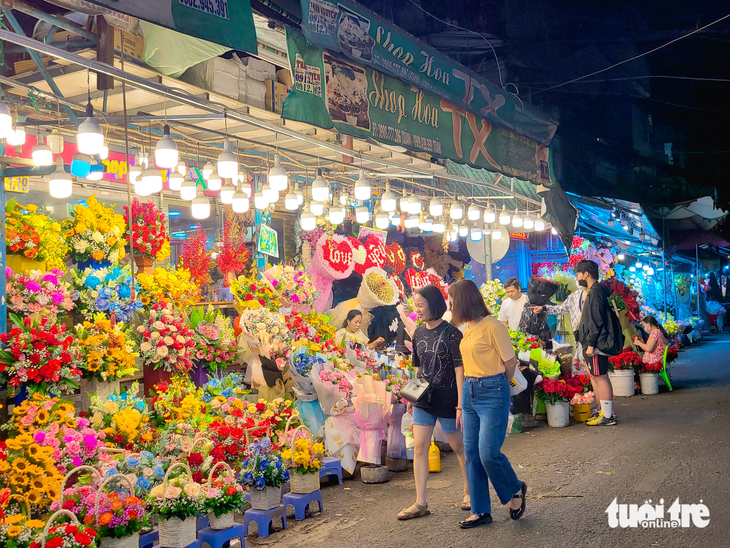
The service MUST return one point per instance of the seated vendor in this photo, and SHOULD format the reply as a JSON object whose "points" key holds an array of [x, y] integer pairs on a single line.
{"points": [[656, 343], [350, 331]]}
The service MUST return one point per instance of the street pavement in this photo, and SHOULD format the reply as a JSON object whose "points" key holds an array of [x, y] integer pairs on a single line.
{"points": [[668, 446]]}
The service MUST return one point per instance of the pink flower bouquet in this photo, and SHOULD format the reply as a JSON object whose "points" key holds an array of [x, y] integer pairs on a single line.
{"points": [[165, 340], [39, 294]]}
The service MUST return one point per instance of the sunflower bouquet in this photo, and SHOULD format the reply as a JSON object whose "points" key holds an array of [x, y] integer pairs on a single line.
{"points": [[19, 530], [105, 290], [36, 412], [95, 232], [106, 352], [169, 285]]}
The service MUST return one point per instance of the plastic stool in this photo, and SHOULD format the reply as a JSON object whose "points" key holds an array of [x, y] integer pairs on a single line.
{"points": [[264, 518], [331, 466], [202, 523], [301, 501], [148, 540], [220, 538], [195, 544], [247, 497]]}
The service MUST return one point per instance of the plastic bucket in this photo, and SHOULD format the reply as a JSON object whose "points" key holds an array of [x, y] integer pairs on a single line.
{"points": [[582, 412], [622, 383], [649, 383], [558, 414]]}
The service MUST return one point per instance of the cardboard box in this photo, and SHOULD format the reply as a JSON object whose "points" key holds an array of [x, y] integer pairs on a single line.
{"points": [[284, 76], [133, 45], [275, 95]]}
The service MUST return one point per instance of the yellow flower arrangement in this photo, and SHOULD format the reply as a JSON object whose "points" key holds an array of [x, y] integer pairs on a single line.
{"points": [[27, 469], [181, 402], [306, 457], [169, 285], [91, 229], [33, 413], [31, 232], [107, 352]]}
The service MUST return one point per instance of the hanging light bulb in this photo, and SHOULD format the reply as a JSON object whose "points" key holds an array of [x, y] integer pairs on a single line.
{"points": [[439, 227], [421, 222], [650, 271], [475, 234], [271, 195], [463, 231], [240, 202], [96, 173], [382, 221], [55, 141], [529, 223], [632, 269], [187, 189], [403, 202], [553, 231], [136, 170], [504, 217], [453, 235], [336, 215], [16, 137], [89, 136], [621, 256], [428, 225], [300, 196], [60, 183], [611, 221], [166, 153], [6, 121], [414, 205], [144, 160], [394, 219], [291, 201], [362, 187], [307, 220], [259, 201], [200, 208], [150, 182], [456, 211], [639, 264], [227, 193], [486, 231], [176, 179], [645, 267], [517, 219], [388, 200], [208, 170], [473, 213], [42, 154], [539, 224], [411, 222], [214, 180], [489, 214], [497, 234], [435, 207], [181, 168], [316, 208], [320, 188], [228, 164], [362, 215], [278, 177]]}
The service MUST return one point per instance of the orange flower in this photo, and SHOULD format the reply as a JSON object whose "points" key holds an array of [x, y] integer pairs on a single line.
{"points": [[116, 505], [105, 519], [131, 501], [98, 255], [231, 490], [89, 519]]}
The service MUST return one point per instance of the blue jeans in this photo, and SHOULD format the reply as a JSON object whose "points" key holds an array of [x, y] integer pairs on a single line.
{"points": [[485, 412]]}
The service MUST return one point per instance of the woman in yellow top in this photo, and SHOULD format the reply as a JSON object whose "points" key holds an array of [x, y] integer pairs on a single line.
{"points": [[489, 364], [350, 331]]}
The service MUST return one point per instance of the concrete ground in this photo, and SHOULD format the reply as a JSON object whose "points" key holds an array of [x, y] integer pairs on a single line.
{"points": [[674, 444]]}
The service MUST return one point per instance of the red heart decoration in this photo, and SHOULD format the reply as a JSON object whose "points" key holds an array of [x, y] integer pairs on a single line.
{"points": [[399, 284], [417, 260], [438, 282], [337, 255], [360, 254], [375, 249], [395, 258], [417, 279]]}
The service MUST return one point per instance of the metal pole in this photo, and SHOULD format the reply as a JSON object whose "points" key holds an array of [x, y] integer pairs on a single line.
{"points": [[3, 259], [697, 276], [126, 174], [664, 265]]}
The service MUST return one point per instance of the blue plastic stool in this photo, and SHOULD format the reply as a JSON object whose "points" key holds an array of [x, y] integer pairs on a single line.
{"points": [[331, 466], [202, 523], [223, 537], [247, 497], [301, 501], [263, 519], [148, 540], [195, 544]]}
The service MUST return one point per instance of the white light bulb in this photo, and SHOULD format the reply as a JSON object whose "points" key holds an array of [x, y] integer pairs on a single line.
{"points": [[414, 205], [362, 188], [207, 170], [504, 217], [621, 256], [320, 188], [382, 221], [200, 208], [278, 177], [553, 231], [473, 213], [639, 264], [227, 193], [439, 227], [215, 182], [539, 224], [6, 121], [95, 175], [403, 203], [517, 219], [411, 222], [259, 201], [307, 221], [428, 225], [187, 189], [388, 200], [486, 231], [497, 234], [60, 183], [463, 231], [136, 170], [166, 153], [291, 201], [182, 169], [436, 207], [362, 215], [227, 162], [316, 208], [489, 215], [42, 154], [632, 269], [240, 202], [529, 222], [271, 195], [336, 215], [175, 180], [395, 220], [150, 182], [89, 136], [650, 271], [16, 137], [457, 211], [475, 234]]}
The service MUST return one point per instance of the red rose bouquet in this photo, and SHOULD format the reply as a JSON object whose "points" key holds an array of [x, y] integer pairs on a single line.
{"points": [[68, 535], [165, 340], [562, 389], [41, 354], [149, 233], [627, 360]]}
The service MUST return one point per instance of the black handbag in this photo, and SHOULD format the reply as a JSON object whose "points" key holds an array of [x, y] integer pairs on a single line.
{"points": [[418, 389]]}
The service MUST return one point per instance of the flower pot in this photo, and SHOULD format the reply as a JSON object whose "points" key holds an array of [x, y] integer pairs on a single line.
{"points": [[622, 383], [94, 265], [582, 412], [100, 388], [145, 264], [226, 521], [374, 474], [20, 264], [267, 498], [153, 377], [132, 541], [649, 383], [199, 374], [304, 483], [175, 533], [558, 414]]}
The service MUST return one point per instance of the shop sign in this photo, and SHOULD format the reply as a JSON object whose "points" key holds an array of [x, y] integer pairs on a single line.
{"points": [[332, 92], [268, 241], [17, 184], [353, 30], [522, 236], [225, 22]]}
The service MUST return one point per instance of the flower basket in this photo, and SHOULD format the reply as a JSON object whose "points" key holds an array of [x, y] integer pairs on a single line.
{"points": [[226, 521], [100, 388], [300, 482], [558, 414], [267, 498], [132, 541], [145, 264], [649, 383], [622, 382], [176, 533], [303, 483]]}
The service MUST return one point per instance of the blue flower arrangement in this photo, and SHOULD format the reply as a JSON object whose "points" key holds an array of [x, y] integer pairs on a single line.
{"points": [[262, 466], [105, 290]]}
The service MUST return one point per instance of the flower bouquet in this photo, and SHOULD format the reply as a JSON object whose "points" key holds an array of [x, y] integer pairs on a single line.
{"points": [[216, 347], [149, 232], [294, 288], [176, 503], [394, 385], [95, 233], [165, 341], [31, 233], [225, 388], [68, 535], [36, 412], [145, 471], [251, 294], [522, 342], [196, 258], [232, 251], [586, 398], [268, 331], [337, 380], [39, 294], [264, 471], [178, 402], [229, 438], [123, 418], [493, 294], [626, 361], [107, 290], [558, 390], [74, 444], [41, 355], [107, 353], [303, 459], [223, 497], [18, 530], [169, 285]]}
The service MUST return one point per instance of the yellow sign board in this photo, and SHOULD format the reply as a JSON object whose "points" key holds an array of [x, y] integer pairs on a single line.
{"points": [[17, 184]]}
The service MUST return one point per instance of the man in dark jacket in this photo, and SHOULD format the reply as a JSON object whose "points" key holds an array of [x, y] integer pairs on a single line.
{"points": [[594, 332]]}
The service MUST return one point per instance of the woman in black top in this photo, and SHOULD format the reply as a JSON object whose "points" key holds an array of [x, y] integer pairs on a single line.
{"points": [[437, 357]]}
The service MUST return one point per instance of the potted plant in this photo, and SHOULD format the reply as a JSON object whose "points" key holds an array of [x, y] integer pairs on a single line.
{"points": [[224, 496], [176, 503], [557, 394], [264, 472], [303, 458], [621, 371]]}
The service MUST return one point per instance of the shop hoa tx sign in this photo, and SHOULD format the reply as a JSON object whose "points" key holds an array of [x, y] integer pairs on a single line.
{"points": [[268, 241]]}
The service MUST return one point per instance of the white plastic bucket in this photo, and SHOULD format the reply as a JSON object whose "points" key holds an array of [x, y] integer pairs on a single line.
{"points": [[558, 414], [622, 383], [649, 383]]}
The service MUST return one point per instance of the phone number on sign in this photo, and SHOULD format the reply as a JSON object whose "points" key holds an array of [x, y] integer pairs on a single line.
{"points": [[219, 8]]}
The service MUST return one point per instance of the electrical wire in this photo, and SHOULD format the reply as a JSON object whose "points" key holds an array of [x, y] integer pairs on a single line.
{"points": [[635, 56]]}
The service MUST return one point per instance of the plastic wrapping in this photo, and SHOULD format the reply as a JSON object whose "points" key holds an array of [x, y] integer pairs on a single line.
{"points": [[396, 439], [539, 292]]}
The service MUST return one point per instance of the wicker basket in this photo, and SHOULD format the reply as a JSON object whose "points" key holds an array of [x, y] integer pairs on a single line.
{"points": [[132, 541], [226, 521], [267, 498], [175, 533], [304, 483]]}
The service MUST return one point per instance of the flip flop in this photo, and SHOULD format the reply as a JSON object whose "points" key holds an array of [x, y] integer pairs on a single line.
{"points": [[420, 511], [466, 505]]}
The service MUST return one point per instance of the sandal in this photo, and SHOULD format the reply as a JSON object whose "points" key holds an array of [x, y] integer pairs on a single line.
{"points": [[466, 505], [517, 514], [419, 512]]}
